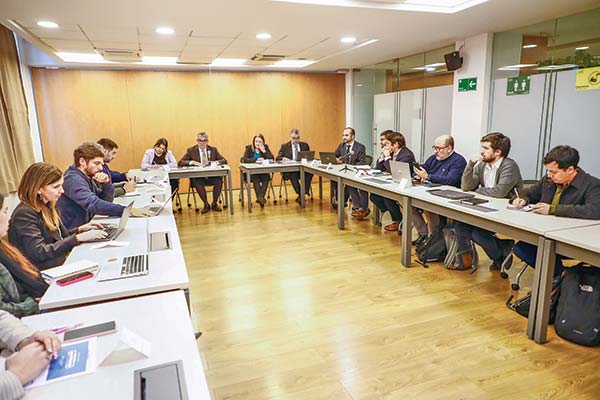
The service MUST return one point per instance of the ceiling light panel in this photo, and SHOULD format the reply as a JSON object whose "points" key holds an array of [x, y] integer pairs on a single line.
{"points": [[292, 64], [165, 30], [47, 24], [436, 6]]}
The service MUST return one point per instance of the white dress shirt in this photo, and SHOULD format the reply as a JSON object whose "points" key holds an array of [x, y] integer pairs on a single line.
{"points": [[489, 173]]}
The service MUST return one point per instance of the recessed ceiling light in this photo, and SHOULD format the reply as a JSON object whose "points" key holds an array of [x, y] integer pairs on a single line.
{"points": [[47, 24], [228, 62], [263, 36], [530, 46], [81, 57], [156, 60], [348, 39], [292, 63], [582, 48], [165, 30]]}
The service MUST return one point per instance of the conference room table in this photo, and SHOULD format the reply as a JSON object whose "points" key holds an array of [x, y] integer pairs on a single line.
{"points": [[167, 268], [161, 319], [208, 172]]}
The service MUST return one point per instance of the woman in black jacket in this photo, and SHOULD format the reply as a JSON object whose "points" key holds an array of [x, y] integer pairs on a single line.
{"points": [[258, 152], [35, 226], [21, 284]]}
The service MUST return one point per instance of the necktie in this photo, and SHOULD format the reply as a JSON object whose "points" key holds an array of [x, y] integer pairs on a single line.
{"points": [[296, 151], [205, 157], [348, 149]]}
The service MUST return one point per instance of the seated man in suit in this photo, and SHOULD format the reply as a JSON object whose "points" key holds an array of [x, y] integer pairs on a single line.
{"points": [[565, 191], [121, 181], [493, 174], [289, 151], [446, 167], [394, 148], [87, 190], [354, 153], [202, 155]]}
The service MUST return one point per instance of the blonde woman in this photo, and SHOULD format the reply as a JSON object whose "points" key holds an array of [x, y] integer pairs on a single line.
{"points": [[36, 228]]}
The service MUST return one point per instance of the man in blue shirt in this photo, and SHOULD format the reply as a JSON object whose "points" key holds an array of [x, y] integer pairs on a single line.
{"points": [[87, 190], [122, 183], [445, 167]]}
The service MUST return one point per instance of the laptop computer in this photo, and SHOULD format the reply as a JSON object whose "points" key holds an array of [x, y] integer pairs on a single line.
{"points": [[112, 231], [126, 267], [451, 194], [309, 155], [400, 170], [327, 157], [157, 208]]}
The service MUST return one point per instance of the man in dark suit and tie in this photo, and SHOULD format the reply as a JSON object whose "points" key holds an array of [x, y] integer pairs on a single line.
{"points": [[353, 153], [203, 155], [289, 151]]}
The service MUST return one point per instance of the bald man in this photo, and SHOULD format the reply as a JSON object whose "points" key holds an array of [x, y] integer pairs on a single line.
{"points": [[444, 166]]}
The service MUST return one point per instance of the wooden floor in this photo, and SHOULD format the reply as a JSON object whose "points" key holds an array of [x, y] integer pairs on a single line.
{"points": [[292, 308]]}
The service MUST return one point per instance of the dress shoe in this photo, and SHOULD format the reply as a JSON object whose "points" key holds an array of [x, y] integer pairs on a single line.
{"points": [[393, 227], [215, 207], [356, 212], [297, 200], [362, 214], [506, 245], [419, 240], [205, 209]]}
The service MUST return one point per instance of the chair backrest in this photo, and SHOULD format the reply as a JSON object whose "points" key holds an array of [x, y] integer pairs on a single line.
{"points": [[369, 160]]}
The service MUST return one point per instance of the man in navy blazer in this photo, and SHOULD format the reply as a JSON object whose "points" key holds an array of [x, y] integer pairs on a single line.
{"points": [[353, 153], [289, 151]]}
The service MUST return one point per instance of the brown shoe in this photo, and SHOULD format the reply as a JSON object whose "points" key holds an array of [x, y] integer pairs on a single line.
{"points": [[356, 213], [393, 227], [363, 214]]}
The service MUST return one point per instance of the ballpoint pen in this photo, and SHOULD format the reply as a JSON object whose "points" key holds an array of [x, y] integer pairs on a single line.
{"points": [[63, 329]]}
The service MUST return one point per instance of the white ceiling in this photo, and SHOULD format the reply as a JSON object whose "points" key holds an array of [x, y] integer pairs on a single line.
{"points": [[227, 28]]}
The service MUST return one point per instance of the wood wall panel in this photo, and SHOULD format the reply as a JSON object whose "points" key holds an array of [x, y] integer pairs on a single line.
{"points": [[134, 108]]}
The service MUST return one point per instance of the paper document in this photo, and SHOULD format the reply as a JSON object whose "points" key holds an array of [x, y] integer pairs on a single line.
{"points": [[112, 243], [125, 347], [71, 268], [73, 360]]}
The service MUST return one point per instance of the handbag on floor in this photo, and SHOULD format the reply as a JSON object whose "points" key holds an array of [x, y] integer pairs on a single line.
{"points": [[521, 306], [458, 260]]}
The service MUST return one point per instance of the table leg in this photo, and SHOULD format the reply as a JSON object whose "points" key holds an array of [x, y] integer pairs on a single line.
{"points": [[249, 191], [406, 230], [340, 195], [320, 187], [302, 187], [535, 285], [230, 187], [544, 289]]}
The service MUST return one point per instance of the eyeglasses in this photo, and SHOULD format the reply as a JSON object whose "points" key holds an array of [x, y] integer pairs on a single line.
{"points": [[202, 140], [439, 148]]}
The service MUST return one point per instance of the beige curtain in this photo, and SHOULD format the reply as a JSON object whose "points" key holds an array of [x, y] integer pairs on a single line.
{"points": [[16, 149]]}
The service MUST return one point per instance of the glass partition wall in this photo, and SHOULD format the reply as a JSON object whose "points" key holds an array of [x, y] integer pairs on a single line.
{"points": [[537, 98], [412, 95]]}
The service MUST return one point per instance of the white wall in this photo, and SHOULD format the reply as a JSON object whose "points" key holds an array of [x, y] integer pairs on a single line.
{"points": [[470, 109]]}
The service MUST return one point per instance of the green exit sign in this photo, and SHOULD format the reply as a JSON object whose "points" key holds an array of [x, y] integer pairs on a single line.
{"points": [[517, 85], [467, 84]]}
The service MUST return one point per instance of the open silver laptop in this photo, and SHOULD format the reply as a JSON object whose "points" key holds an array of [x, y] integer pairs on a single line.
{"points": [[112, 231], [157, 208], [400, 170], [126, 267], [327, 157], [308, 154]]}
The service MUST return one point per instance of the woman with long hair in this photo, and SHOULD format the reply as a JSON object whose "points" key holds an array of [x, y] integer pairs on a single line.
{"points": [[158, 156], [20, 281], [258, 151], [36, 228]]}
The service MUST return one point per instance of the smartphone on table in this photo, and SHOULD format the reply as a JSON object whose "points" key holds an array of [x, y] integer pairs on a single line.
{"points": [[78, 277]]}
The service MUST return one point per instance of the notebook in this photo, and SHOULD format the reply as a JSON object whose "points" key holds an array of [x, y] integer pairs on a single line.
{"points": [[69, 269]]}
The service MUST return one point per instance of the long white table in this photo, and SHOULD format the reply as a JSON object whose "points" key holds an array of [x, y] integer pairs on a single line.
{"points": [[162, 319], [208, 172], [167, 269]]}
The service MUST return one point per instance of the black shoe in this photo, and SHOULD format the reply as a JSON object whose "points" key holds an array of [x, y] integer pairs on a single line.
{"points": [[215, 207], [297, 200], [205, 209], [419, 240], [506, 245]]}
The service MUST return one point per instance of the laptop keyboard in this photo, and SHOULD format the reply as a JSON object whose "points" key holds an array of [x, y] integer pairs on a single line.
{"points": [[135, 265], [110, 232]]}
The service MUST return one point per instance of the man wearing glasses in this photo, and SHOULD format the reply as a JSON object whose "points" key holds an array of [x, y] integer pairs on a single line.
{"points": [[445, 167], [203, 155], [289, 151]]}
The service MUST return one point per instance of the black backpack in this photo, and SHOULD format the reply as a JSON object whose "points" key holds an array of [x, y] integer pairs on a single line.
{"points": [[521, 306], [432, 249], [578, 310]]}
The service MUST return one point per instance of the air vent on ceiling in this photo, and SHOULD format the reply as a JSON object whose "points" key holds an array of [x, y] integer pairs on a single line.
{"points": [[121, 55], [265, 59]]}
